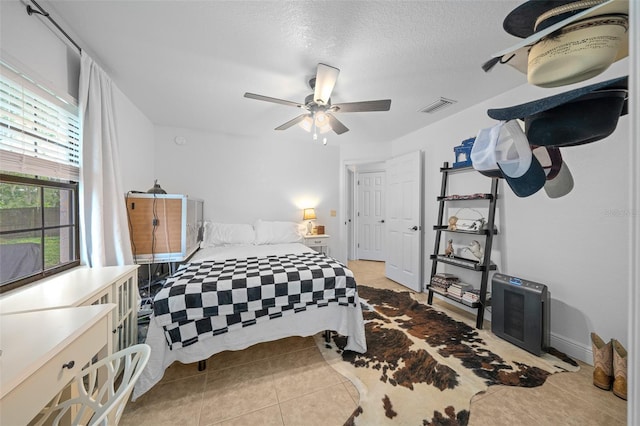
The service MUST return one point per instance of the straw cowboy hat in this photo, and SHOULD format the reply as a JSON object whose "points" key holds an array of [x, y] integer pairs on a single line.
{"points": [[565, 41]]}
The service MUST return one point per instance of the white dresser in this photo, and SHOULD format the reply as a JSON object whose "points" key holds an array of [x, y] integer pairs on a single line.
{"points": [[85, 286], [42, 351]]}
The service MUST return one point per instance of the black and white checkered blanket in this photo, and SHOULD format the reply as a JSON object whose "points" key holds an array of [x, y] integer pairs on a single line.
{"points": [[214, 297]]}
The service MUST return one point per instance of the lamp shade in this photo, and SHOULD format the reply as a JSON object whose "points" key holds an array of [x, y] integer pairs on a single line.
{"points": [[308, 214]]}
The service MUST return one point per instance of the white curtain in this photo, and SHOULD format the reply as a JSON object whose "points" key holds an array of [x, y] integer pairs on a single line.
{"points": [[104, 232]]}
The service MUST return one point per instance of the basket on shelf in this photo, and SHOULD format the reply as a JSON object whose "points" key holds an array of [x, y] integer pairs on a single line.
{"points": [[459, 222]]}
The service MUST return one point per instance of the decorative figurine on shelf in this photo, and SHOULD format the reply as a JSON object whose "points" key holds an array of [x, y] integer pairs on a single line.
{"points": [[453, 220], [476, 250], [478, 225], [449, 250]]}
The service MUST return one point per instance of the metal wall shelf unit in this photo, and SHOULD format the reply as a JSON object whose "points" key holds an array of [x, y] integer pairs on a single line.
{"points": [[489, 231]]}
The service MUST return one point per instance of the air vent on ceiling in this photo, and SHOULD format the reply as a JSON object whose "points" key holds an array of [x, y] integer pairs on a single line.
{"points": [[438, 105]]}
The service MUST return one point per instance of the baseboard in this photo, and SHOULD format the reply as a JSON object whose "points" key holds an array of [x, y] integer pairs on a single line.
{"points": [[572, 348]]}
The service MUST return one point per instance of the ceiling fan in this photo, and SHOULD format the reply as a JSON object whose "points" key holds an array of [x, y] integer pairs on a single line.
{"points": [[319, 112]]}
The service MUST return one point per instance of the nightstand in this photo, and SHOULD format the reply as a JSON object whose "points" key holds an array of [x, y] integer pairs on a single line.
{"points": [[318, 242]]}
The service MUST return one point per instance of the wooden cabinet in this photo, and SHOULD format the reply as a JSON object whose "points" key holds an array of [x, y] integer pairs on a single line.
{"points": [[85, 286], [163, 227]]}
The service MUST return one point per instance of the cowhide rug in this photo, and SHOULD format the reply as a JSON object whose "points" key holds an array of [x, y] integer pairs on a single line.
{"points": [[422, 367]]}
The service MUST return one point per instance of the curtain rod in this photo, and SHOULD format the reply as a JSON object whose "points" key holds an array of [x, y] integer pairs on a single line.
{"points": [[41, 11]]}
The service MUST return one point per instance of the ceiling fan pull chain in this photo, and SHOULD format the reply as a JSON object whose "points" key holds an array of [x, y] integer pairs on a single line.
{"points": [[315, 131]]}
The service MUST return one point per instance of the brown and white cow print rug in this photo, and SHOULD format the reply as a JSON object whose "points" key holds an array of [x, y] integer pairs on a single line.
{"points": [[422, 367]]}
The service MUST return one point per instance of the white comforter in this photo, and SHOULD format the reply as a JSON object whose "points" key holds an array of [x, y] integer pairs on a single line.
{"points": [[347, 321]]}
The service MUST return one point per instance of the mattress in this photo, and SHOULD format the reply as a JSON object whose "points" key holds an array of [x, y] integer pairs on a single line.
{"points": [[345, 319]]}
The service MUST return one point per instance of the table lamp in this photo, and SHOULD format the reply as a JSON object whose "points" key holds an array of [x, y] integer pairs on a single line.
{"points": [[309, 214]]}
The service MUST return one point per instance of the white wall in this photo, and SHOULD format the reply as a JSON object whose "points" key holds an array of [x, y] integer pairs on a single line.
{"points": [[244, 180], [136, 143], [575, 244], [27, 43]]}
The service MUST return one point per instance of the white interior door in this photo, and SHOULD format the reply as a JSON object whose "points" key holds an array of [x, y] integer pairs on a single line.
{"points": [[403, 262], [370, 217]]}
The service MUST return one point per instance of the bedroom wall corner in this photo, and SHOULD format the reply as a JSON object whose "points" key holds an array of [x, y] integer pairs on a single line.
{"points": [[39, 51], [36, 50], [566, 243]]}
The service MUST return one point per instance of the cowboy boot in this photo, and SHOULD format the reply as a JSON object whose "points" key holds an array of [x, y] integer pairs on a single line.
{"points": [[619, 370], [602, 362]]}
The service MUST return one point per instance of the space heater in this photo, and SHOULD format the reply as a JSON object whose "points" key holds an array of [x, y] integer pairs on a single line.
{"points": [[520, 312]]}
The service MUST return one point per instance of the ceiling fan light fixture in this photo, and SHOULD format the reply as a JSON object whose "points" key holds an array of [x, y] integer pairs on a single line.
{"points": [[326, 77], [307, 123], [319, 113], [324, 128]]}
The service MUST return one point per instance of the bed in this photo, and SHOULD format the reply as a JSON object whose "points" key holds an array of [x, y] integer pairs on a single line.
{"points": [[249, 284]]}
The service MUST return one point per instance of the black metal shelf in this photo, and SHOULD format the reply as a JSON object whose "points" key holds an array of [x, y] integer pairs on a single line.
{"points": [[490, 230], [445, 228], [474, 265], [469, 197], [474, 305], [446, 168]]}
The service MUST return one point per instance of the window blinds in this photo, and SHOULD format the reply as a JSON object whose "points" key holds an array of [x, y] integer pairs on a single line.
{"points": [[39, 131]]}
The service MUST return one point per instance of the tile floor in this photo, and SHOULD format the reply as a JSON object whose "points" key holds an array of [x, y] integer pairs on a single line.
{"points": [[288, 383]]}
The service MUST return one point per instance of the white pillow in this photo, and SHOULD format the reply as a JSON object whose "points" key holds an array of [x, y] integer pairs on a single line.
{"points": [[276, 232], [222, 234]]}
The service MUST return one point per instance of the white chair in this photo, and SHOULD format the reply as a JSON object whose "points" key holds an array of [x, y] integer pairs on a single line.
{"points": [[99, 393]]}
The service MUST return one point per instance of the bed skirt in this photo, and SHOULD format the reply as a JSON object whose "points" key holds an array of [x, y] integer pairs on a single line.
{"points": [[345, 320]]}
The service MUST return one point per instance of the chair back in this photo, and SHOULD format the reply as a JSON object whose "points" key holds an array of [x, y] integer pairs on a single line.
{"points": [[99, 392]]}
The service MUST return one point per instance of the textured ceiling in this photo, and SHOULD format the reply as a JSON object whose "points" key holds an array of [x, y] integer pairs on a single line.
{"points": [[188, 63]]}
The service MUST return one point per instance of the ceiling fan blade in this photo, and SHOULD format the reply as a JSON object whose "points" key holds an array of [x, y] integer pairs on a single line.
{"points": [[336, 125], [293, 122], [326, 78], [274, 100], [381, 105]]}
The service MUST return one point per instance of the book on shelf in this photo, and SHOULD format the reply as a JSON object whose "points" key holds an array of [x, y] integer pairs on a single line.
{"points": [[446, 275], [458, 289], [438, 290], [444, 279], [454, 297]]}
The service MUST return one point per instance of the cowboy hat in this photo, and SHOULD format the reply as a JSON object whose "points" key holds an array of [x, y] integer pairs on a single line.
{"points": [[565, 41], [576, 117]]}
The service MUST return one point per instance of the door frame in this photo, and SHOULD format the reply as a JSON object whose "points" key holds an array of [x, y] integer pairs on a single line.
{"points": [[347, 235]]}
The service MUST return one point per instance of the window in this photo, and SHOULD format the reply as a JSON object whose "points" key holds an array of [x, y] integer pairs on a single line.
{"points": [[39, 170]]}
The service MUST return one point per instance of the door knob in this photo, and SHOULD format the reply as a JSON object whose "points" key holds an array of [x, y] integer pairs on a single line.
{"points": [[415, 228]]}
